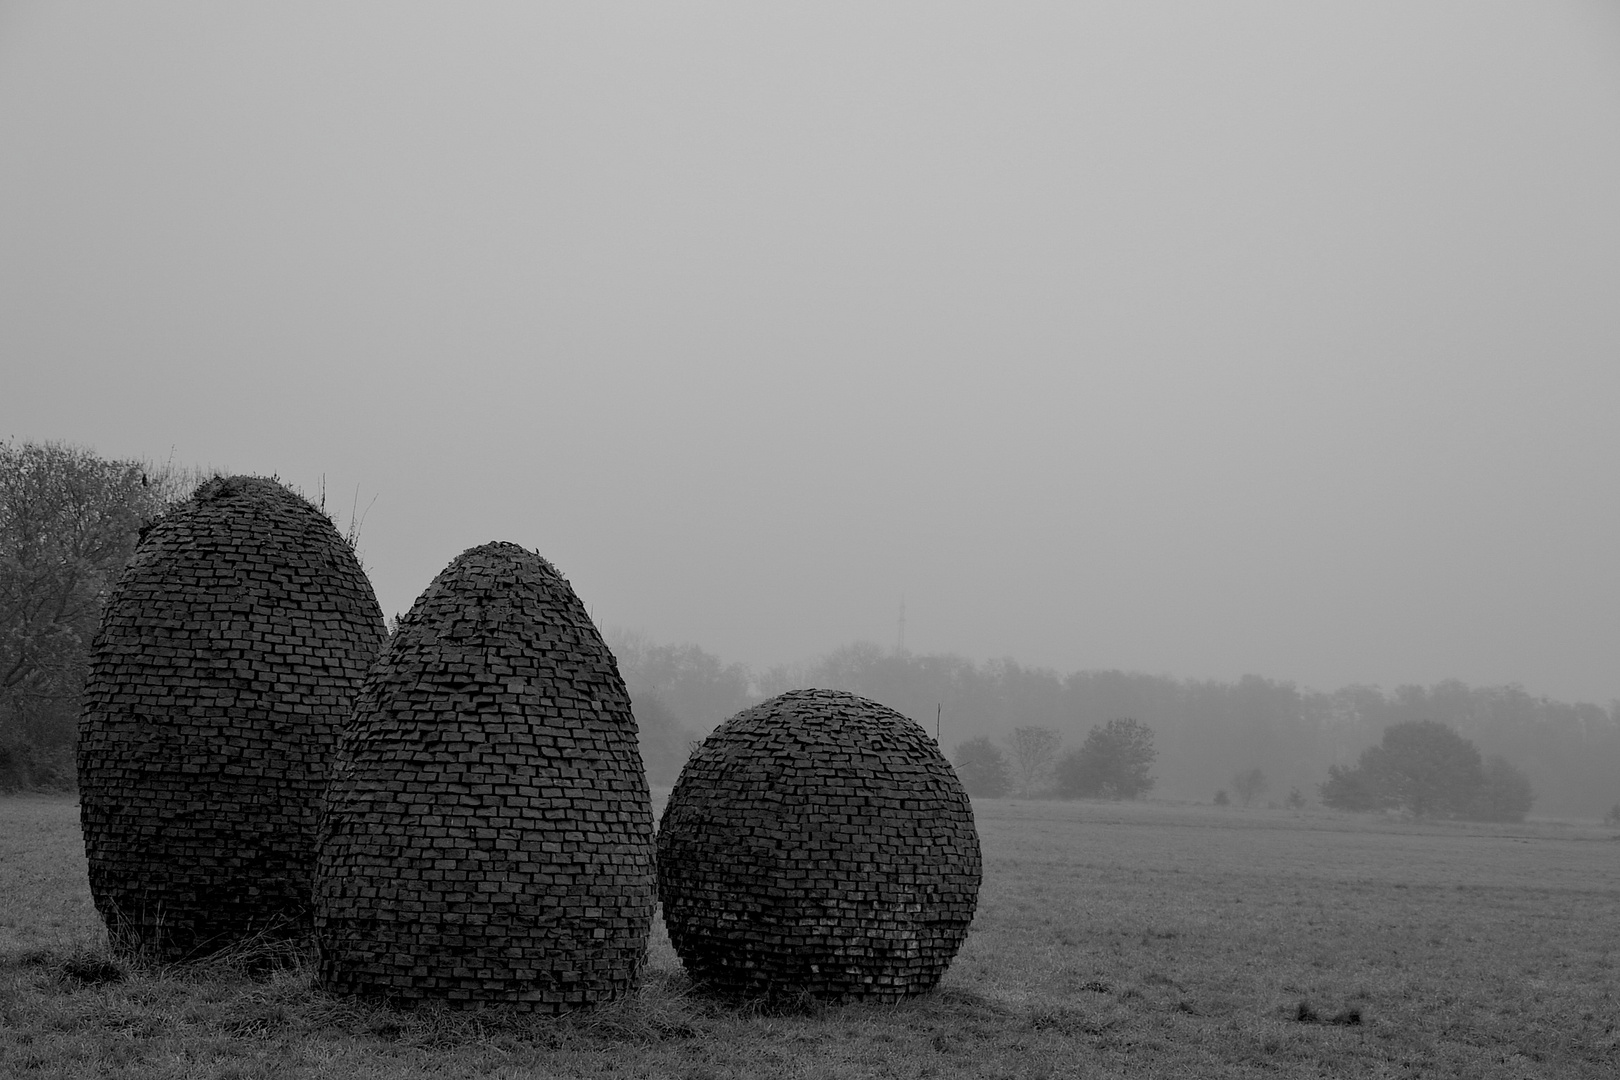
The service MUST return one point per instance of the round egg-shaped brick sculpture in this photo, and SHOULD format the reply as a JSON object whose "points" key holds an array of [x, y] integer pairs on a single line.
{"points": [[229, 656], [818, 844], [487, 835]]}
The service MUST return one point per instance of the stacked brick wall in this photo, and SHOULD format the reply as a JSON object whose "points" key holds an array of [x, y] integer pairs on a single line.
{"points": [[229, 655], [487, 835], [818, 843]]}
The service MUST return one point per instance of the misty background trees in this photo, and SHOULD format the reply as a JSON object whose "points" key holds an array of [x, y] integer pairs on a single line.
{"points": [[69, 520], [1249, 785], [679, 694], [1428, 770], [1206, 731], [982, 767], [1034, 751], [1112, 763]]}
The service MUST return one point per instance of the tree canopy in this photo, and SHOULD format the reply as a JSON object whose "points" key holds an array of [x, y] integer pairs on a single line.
{"points": [[69, 521], [1427, 769], [1113, 762]]}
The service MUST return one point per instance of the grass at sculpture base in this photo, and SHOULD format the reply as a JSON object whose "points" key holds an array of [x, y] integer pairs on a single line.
{"points": [[1133, 940]]}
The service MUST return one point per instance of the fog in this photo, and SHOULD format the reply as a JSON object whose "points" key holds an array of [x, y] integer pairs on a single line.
{"points": [[1189, 339]]}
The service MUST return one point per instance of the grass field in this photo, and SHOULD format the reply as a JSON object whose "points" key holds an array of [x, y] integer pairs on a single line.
{"points": [[1111, 940]]}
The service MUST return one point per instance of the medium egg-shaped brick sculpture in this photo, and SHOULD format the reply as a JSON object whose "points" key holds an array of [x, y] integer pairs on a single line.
{"points": [[229, 656], [487, 833], [818, 844]]}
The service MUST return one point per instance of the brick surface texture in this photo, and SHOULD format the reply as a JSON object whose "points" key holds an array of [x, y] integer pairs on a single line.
{"points": [[487, 836], [818, 844], [229, 655]]}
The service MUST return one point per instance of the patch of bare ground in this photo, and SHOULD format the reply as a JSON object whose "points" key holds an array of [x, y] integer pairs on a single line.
{"points": [[1112, 940]]}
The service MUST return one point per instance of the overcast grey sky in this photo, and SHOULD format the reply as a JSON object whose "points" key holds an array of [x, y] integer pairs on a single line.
{"points": [[1189, 338]]}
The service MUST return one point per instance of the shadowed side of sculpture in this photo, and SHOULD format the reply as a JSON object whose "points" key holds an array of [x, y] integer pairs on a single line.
{"points": [[818, 844], [487, 835], [229, 655]]}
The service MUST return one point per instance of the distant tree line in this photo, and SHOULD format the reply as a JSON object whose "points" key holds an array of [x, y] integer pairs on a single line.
{"points": [[1421, 767], [679, 694], [1209, 735], [1112, 763], [1208, 731], [69, 520]]}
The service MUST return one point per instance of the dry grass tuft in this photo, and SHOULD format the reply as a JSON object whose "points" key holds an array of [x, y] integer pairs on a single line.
{"points": [[1350, 1017], [92, 969]]}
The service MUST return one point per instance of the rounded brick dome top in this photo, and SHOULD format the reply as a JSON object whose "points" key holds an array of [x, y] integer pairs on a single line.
{"points": [[818, 843], [487, 835], [228, 657]]}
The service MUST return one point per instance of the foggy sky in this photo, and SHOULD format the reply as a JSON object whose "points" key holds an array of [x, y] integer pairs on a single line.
{"points": [[1183, 338]]}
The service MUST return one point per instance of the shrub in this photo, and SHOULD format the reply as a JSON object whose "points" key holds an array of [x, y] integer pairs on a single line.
{"points": [[1349, 789], [1429, 770], [1112, 762], [1249, 784]]}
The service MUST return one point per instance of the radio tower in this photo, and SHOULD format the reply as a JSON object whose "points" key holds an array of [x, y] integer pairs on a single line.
{"points": [[900, 647]]}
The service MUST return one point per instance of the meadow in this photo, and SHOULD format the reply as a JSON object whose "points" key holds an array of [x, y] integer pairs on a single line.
{"points": [[1139, 940]]}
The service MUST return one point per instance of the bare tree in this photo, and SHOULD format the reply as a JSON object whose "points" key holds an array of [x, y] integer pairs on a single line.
{"points": [[1034, 749]]}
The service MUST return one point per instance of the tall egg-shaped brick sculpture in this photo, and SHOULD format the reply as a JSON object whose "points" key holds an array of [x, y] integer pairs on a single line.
{"points": [[229, 655], [818, 843], [487, 834]]}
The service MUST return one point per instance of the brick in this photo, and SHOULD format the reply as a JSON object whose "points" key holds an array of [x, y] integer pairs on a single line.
{"points": [[761, 897], [201, 760], [428, 774]]}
